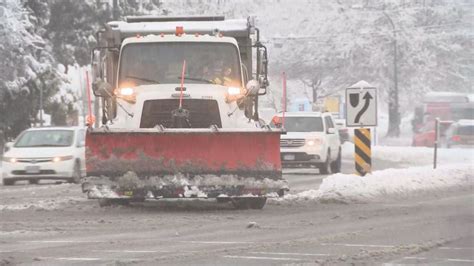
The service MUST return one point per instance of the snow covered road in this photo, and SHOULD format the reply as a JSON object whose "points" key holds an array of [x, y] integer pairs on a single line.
{"points": [[396, 215]]}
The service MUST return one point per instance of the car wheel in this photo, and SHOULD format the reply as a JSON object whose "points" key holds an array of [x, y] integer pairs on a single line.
{"points": [[336, 165], [324, 168], [8, 182], [76, 175]]}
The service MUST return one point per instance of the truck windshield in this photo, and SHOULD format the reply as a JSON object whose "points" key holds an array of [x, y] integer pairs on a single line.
{"points": [[303, 124], [161, 63]]}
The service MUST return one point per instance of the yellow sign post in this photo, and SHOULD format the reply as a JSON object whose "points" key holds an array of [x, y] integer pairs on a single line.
{"points": [[363, 153]]}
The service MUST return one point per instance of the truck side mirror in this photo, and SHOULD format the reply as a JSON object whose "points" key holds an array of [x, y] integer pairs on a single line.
{"points": [[263, 75], [102, 89], [253, 87], [331, 130]]}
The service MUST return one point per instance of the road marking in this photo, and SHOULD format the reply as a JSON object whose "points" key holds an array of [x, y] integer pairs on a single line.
{"points": [[261, 258], [60, 241], [214, 242], [414, 258], [71, 258], [358, 245], [446, 259], [131, 251], [286, 253], [459, 260], [457, 248]]}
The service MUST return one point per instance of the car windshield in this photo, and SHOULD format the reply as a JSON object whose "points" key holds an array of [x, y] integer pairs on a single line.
{"points": [[466, 130], [161, 63], [45, 138], [304, 124]]}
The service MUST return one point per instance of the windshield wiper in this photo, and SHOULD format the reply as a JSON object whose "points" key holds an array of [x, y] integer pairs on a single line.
{"points": [[198, 79], [144, 79]]}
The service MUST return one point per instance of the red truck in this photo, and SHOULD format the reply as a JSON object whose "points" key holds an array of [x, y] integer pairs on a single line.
{"points": [[447, 106]]}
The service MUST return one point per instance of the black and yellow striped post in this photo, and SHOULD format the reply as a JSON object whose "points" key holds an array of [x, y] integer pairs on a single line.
{"points": [[363, 154]]}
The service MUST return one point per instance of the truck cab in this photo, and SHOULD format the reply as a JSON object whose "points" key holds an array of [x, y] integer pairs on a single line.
{"points": [[150, 66]]}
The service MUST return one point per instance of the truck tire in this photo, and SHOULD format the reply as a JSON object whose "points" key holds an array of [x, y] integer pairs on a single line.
{"points": [[240, 204], [76, 173], [257, 203], [113, 202], [8, 182], [336, 165], [324, 168]]}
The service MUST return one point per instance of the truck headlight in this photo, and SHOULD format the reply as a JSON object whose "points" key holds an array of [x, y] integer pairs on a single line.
{"points": [[10, 159], [126, 93], [313, 142], [233, 91], [62, 158]]}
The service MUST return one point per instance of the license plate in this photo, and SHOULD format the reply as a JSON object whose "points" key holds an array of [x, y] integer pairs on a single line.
{"points": [[32, 169], [289, 157]]}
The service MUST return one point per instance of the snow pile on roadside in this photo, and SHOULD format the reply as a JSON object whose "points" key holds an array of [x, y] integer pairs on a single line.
{"points": [[423, 155], [41, 205], [414, 156], [389, 183]]}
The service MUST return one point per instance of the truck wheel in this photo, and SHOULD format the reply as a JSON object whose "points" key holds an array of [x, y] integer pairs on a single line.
{"points": [[76, 174], [324, 168], [8, 182], [257, 203], [113, 202], [240, 204]]}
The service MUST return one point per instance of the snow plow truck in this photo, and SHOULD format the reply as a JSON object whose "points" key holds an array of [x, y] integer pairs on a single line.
{"points": [[179, 113]]}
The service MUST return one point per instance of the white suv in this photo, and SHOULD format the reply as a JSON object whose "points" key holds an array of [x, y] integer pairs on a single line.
{"points": [[311, 140]]}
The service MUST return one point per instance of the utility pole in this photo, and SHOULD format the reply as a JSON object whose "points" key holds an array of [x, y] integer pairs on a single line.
{"points": [[115, 10], [393, 105], [41, 106]]}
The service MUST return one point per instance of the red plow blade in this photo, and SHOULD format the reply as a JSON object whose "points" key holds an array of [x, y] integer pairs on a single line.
{"points": [[150, 152]]}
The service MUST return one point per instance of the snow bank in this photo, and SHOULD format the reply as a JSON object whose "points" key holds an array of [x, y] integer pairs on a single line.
{"points": [[389, 183], [46, 204], [422, 155], [414, 156]]}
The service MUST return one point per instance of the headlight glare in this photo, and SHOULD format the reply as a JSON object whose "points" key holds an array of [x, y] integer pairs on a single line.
{"points": [[313, 142], [233, 91], [10, 159], [126, 91], [62, 158]]}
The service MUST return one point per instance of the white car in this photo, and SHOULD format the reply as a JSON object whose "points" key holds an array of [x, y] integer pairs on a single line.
{"points": [[311, 140], [55, 153]]}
